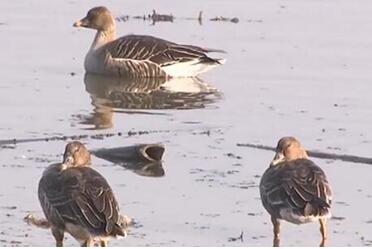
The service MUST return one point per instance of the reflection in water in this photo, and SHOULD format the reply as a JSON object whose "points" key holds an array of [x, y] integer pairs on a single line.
{"points": [[101, 117], [112, 94], [143, 159]]}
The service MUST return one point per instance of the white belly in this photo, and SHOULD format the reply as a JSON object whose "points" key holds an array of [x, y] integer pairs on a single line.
{"points": [[288, 215]]}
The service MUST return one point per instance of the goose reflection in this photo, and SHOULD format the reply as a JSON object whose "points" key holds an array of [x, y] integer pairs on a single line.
{"points": [[113, 94]]}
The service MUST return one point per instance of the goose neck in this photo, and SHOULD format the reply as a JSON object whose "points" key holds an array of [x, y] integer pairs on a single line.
{"points": [[103, 37]]}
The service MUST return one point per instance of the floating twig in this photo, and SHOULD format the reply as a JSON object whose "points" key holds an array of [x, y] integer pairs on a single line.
{"points": [[154, 17], [161, 17], [317, 154], [200, 17], [123, 18], [225, 19], [232, 239]]}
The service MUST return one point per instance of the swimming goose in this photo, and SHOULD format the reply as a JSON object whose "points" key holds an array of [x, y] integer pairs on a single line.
{"points": [[77, 199], [295, 189], [140, 55]]}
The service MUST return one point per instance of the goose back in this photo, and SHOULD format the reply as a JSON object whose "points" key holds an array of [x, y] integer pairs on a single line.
{"points": [[79, 197], [296, 191]]}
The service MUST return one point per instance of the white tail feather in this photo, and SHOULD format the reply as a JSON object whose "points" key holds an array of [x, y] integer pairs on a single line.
{"points": [[190, 68]]}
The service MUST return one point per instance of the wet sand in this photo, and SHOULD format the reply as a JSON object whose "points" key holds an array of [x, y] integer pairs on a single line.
{"points": [[304, 70]]}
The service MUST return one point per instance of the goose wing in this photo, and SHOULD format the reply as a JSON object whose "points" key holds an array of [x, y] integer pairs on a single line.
{"points": [[299, 185], [80, 196], [158, 51]]}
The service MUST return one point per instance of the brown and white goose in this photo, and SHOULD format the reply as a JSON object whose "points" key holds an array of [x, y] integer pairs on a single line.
{"points": [[295, 189], [77, 199], [140, 55]]}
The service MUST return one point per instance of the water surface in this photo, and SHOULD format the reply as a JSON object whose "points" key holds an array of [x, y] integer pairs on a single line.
{"points": [[298, 68]]}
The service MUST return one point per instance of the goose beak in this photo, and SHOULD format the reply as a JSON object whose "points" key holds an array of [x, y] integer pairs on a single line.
{"points": [[68, 159], [81, 23], [77, 24], [278, 158]]}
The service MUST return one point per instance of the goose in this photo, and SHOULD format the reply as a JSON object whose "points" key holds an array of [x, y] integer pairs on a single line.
{"points": [[140, 56], [77, 199], [295, 189]]}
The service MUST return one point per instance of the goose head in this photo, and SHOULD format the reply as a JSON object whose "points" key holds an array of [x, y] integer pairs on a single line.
{"points": [[98, 18], [76, 155], [288, 149]]}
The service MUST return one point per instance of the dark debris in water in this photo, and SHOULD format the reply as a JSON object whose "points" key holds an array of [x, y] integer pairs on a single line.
{"points": [[342, 203], [225, 19], [12, 166], [210, 215], [208, 133], [239, 238], [136, 224], [201, 227], [333, 148], [15, 242], [9, 207], [197, 226], [231, 172], [221, 178], [13, 142], [254, 214], [367, 243], [244, 185], [232, 155], [41, 159], [337, 218], [155, 17], [12, 147]]}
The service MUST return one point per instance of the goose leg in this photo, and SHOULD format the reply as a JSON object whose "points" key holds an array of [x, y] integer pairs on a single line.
{"points": [[276, 230], [323, 231], [88, 243], [103, 243], [58, 235]]}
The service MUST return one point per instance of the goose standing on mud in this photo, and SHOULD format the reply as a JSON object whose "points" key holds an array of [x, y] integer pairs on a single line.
{"points": [[77, 199], [294, 189], [140, 55]]}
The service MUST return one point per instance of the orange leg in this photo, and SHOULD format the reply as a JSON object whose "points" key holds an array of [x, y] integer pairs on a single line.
{"points": [[323, 231], [276, 230]]}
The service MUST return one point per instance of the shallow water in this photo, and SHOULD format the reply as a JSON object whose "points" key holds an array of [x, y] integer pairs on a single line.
{"points": [[298, 68]]}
